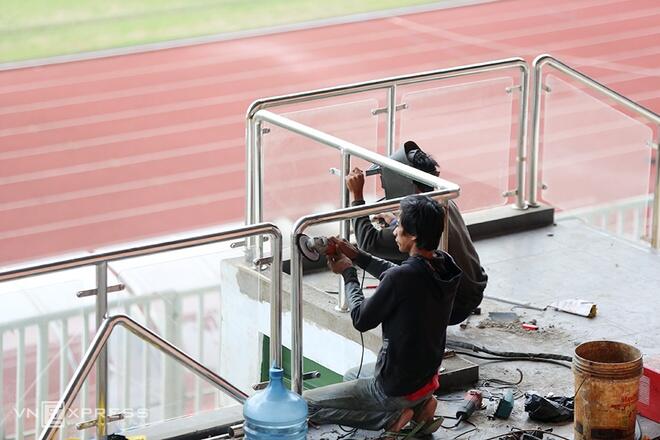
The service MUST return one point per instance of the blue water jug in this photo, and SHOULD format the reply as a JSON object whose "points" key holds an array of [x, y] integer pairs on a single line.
{"points": [[275, 413]]}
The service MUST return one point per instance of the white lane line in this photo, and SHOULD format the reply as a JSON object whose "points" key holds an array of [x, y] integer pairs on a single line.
{"points": [[122, 187], [124, 214], [117, 162]]}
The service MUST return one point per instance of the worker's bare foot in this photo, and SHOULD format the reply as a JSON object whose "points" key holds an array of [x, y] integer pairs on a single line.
{"points": [[427, 411], [405, 418]]}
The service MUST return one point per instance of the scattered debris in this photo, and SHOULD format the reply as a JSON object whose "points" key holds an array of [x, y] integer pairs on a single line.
{"points": [[549, 409], [502, 316], [576, 307]]}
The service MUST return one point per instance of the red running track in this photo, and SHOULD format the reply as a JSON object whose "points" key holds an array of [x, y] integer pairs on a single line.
{"points": [[123, 148]]}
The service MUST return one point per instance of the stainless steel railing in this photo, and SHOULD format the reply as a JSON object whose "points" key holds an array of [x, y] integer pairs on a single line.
{"points": [[348, 149], [94, 354], [253, 135], [547, 60], [97, 351], [296, 261]]}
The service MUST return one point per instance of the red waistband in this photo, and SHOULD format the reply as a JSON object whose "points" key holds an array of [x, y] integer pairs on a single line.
{"points": [[430, 387]]}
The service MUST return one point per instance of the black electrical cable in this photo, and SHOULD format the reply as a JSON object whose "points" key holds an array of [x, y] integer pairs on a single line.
{"points": [[354, 430], [523, 431], [477, 349], [511, 359]]}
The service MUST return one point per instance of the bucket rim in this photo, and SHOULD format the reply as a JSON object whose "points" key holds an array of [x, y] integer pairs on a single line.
{"points": [[637, 359]]}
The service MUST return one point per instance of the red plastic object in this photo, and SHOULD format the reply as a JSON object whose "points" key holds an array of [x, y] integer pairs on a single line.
{"points": [[530, 326], [648, 404]]}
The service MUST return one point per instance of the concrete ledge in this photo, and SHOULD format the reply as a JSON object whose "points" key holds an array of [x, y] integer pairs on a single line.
{"points": [[203, 425], [505, 220]]}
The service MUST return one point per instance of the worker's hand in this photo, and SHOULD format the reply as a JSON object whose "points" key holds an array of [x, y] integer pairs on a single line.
{"points": [[385, 218], [355, 183], [344, 247], [339, 262]]}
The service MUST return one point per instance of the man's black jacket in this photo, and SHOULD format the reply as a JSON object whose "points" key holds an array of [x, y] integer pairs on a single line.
{"points": [[413, 303], [381, 243]]}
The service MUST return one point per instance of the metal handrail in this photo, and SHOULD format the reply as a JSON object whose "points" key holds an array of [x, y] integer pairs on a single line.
{"points": [[348, 149], [352, 149], [101, 260], [297, 271], [94, 352], [253, 127], [652, 117]]}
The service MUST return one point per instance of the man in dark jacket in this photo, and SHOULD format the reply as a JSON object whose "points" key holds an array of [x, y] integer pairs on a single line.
{"points": [[380, 242], [412, 303]]}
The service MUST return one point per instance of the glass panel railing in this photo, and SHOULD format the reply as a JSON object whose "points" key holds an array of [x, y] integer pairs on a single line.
{"points": [[202, 301], [44, 331], [596, 161], [467, 128], [176, 294], [300, 175]]}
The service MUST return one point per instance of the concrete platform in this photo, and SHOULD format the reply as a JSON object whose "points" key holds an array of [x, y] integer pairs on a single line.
{"points": [[569, 260]]}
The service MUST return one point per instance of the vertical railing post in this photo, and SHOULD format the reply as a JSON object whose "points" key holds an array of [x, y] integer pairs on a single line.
{"points": [[445, 230], [64, 367], [296, 319], [522, 137], [84, 342], [126, 365], [20, 384], [2, 384], [276, 302], [102, 363], [41, 375], [258, 194], [345, 225], [173, 396], [655, 225], [533, 168], [391, 119], [257, 160], [249, 173], [146, 372], [199, 321]]}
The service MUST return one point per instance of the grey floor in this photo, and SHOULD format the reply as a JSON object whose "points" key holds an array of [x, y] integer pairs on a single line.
{"points": [[566, 261]]}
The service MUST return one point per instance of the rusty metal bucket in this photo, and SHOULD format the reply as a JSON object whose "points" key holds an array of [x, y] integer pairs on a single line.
{"points": [[606, 387]]}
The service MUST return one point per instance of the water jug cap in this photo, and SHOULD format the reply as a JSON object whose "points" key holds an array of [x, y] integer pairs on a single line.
{"points": [[276, 373]]}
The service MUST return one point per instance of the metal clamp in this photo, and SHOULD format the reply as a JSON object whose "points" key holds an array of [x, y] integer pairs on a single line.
{"points": [[510, 193], [262, 263], [242, 243], [92, 292], [367, 173], [378, 111], [92, 423]]}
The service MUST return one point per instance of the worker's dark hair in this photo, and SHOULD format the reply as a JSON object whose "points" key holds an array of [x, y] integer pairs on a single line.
{"points": [[424, 218], [422, 162]]}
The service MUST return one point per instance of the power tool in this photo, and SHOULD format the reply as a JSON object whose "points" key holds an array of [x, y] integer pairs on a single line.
{"points": [[471, 403]]}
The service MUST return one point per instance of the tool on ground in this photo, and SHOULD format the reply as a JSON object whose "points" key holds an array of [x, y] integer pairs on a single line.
{"points": [[471, 402], [505, 405]]}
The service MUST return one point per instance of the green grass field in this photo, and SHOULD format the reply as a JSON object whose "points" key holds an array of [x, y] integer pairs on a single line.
{"points": [[42, 28]]}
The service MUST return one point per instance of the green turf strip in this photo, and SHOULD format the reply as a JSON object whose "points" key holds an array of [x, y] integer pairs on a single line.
{"points": [[42, 28]]}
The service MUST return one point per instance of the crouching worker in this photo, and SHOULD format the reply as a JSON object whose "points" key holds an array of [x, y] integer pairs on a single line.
{"points": [[412, 303]]}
